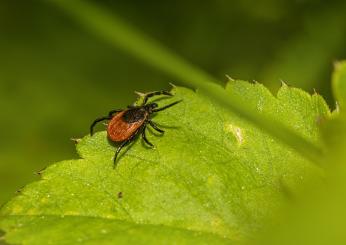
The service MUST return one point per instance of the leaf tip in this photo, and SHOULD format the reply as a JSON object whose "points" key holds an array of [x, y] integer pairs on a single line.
{"points": [[315, 93], [76, 140], [229, 78], [40, 172], [337, 107], [283, 83], [140, 94], [19, 190], [172, 85]]}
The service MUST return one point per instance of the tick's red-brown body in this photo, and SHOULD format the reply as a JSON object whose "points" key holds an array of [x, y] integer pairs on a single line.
{"points": [[121, 127], [125, 124]]}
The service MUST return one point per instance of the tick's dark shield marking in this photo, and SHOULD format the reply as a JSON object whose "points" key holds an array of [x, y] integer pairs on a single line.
{"points": [[126, 124]]}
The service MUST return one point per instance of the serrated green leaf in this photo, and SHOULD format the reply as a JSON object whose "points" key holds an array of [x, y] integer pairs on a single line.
{"points": [[212, 177]]}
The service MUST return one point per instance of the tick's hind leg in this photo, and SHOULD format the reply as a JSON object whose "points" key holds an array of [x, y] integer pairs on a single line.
{"points": [[123, 144], [154, 126], [100, 119], [151, 94], [145, 138]]}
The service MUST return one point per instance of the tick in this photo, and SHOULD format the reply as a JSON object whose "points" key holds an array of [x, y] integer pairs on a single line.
{"points": [[125, 124]]}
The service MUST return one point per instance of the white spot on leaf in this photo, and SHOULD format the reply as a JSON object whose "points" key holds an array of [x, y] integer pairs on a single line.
{"points": [[237, 132]]}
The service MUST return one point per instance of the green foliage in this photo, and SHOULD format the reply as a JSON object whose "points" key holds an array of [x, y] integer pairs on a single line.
{"points": [[231, 159], [212, 178], [318, 216]]}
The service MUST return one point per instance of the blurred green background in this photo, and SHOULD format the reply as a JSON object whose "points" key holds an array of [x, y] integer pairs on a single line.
{"points": [[55, 77]]}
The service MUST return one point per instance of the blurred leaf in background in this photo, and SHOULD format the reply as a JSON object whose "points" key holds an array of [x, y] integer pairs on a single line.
{"points": [[317, 215], [55, 77]]}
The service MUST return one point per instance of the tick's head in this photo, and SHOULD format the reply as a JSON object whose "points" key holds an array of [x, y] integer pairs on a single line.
{"points": [[150, 107]]}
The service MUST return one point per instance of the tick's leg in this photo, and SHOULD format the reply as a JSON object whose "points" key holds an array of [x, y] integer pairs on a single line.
{"points": [[151, 94], [109, 117], [145, 138], [167, 106], [97, 121], [154, 126], [112, 112], [125, 143]]}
